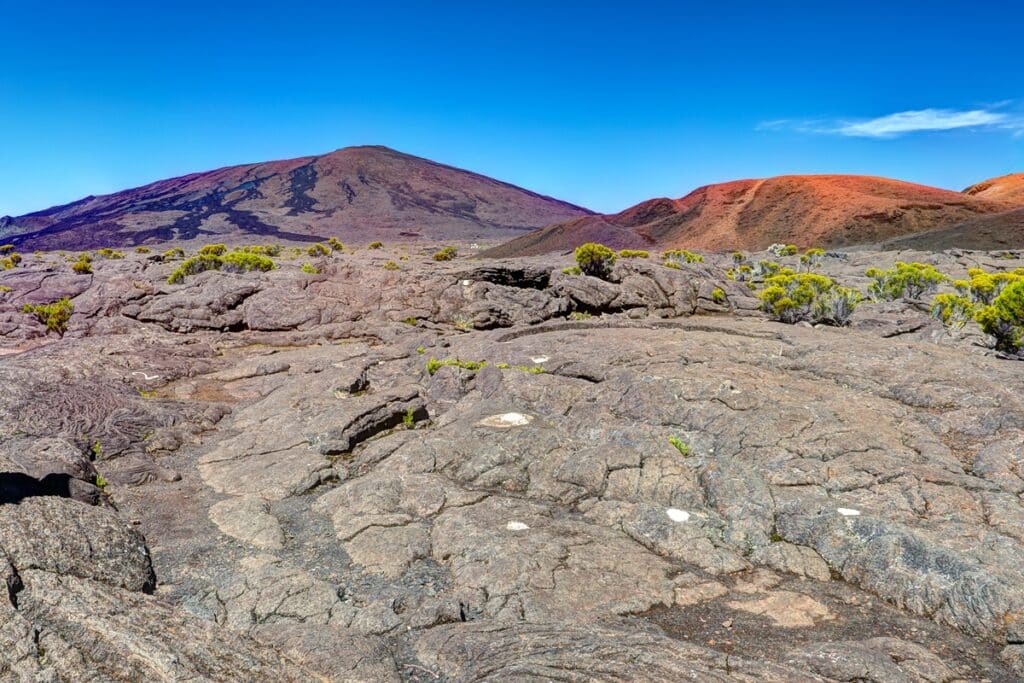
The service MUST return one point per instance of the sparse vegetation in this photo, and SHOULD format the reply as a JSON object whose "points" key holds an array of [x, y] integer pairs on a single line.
{"points": [[233, 262], [142, 250], [318, 249], [952, 310], [110, 253], [595, 259], [793, 297], [739, 257], [391, 265], [4, 289], [6, 248], [580, 315], [375, 245], [83, 266], [634, 253], [174, 253], [271, 250], [54, 316], [446, 254], [433, 364], [812, 258], [1003, 319], [213, 250], [783, 249], [409, 419], [718, 296], [411, 321], [675, 258], [335, 244], [904, 280], [572, 270], [10, 261], [680, 445], [310, 269]]}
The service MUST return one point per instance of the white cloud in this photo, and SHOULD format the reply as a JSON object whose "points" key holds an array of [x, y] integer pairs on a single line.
{"points": [[920, 120], [903, 122]]}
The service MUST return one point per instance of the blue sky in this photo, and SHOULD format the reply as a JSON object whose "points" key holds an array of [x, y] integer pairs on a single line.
{"points": [[602, 104]]}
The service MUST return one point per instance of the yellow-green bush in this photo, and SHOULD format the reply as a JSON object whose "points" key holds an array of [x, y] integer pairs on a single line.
{"points": [[83, 266], [244, 261], [391, 265], [335, 244], [904, 280], [375, 245], [213, 249], [1003, 319], [54, 315], [634, 253], [446, 254], [793, 297], [310, 269], [953, 310], [108, 253], [680, 256], [595, 259], [318, 249]]}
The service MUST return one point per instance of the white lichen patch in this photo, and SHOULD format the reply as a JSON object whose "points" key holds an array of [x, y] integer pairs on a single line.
{"points": [[848, 512], [677, 515], [467, 283], [516, 526], [506, 420], [539, 359]]}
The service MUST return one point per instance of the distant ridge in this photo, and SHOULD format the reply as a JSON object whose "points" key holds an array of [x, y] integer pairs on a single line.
{"points": [[818, 210], [357, 194]]}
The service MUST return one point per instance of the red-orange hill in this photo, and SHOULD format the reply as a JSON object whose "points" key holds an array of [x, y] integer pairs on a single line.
{"points": [[818, 210]]}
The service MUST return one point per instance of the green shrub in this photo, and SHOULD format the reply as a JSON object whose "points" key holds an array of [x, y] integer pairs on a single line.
{"points": [[213, 250], [446, 254], [983, 288], [680, 445], [718, 296], [194, 265], [595, 259], [310, 269], [375, 245], [335, 244], [681, 256], [793, 297], [83, 266], [6, 248], [580, 315], [4, 289], [433, 365], [409, 419], [272, 250], [12, 260], [318, 249], [783, 249], [411, 321], [572, 270], [738, 257], [391, 265], [812, 258], [173, 253], [634, 253], [110, 253], [904, 280], [142, 250], [243, 262], [1003, 319], [952, 310], [54, 315]]}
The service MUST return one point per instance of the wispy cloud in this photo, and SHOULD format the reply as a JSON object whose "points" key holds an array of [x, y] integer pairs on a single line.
{"points": [[920, 120], [904, 122]]}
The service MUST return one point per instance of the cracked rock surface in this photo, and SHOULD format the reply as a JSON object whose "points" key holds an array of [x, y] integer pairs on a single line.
{"points": [[264, 477]]}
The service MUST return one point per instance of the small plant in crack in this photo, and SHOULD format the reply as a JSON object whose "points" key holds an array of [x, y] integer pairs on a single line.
{"points": [[680, 445], [409, 419]]}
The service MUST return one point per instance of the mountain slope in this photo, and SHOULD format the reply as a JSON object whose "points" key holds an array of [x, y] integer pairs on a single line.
{"points": [[356, 193], [1007, 188], [825, 210]]}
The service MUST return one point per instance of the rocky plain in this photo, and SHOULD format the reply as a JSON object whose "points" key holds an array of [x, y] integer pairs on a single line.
{"points": [[383, 467]]}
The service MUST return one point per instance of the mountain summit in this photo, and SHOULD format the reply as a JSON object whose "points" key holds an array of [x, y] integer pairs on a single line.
{"points": [[355, 193]]}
